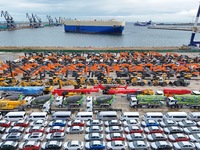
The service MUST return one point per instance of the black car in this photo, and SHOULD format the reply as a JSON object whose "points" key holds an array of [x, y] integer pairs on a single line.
{"points": [[52, 145], [9, 145], [2, 130]]}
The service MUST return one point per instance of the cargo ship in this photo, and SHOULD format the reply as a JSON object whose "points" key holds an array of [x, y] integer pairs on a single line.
{"points": [[94, 26]]}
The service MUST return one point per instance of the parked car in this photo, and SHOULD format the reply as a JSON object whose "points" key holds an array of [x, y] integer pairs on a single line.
{"points": [[73, 145], [2, 130], [94, 129], [133, 129], [15, 129], [138, 145], [186, 123], [35, 129], [113, 129], [194, 137], [168, 123], [191, 130], [94, 123], [56, 136], [173, 130], [12, 137], [76, 122], [115, 137], [21, 123], [9, 145], [35, 136], [149, 123], [135, 137], [161, 145], [132, 122], [197, 145], [74, 130], [55, 129], [61, 123], [92, 145], [42, 123], [185, 145], [93, 137], [113, 123], [156, 137], [116, 145], [5, 123], [153, 129], [52, 145], [30, 145], [178, 137]]}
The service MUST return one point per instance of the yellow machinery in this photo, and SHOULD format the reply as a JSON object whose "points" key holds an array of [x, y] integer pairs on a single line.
{"points": [[53, 81], [138, 81], [107, 80], [161, 81], [48, 89], [11, 104], [9, 81]]}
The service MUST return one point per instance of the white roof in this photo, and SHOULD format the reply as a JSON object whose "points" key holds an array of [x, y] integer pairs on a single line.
{"points": [[74, 142], [116, 134], [141, 143], [53, 142], [97, 142]]}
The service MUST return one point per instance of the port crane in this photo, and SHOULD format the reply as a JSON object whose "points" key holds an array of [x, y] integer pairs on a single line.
{"points": [[39, 20], [58, 21], [9, 20], [195, 30], [50, 20], [30, 20]]}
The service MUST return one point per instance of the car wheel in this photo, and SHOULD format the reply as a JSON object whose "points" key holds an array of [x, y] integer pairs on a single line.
{"points": [[66, 148], [78, 149], [123, 149], [110, 149]]}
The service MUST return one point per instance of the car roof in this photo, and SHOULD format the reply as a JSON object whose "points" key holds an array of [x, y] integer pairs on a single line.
{"points": [[95, 134], [53, 142], [96, 142], [8, 142], [75, 142], [30, 142]]}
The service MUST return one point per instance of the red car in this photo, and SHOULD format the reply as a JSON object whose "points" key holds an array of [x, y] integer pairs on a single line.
{"points": [[5, 123], [153, 129], [76, 123], [35, 129], [133, 129], [178, 137], [55, 129], [21, 123], [30, 145], [115, 137]]}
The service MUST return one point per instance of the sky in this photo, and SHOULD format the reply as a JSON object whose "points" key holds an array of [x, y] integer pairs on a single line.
{"points": [[126, 10]]}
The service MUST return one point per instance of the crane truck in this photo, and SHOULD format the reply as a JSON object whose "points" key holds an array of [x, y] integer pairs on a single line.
{"points": [[184, 101], [147, 101]]}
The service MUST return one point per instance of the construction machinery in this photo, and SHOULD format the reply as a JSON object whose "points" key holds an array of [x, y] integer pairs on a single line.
{"points": [[181, 82], [159, 82], [6, 104], [184, 101], [71, 101], [171, 92], [53, 81], [147, 101], [137, 81], [104, 101]]}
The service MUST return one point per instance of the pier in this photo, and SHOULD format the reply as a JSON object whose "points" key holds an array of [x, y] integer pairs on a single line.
{"points": [[181, 28]]}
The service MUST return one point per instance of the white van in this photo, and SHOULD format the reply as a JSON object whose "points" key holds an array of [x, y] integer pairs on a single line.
{"points": [[38, 116], [61, 115], [15, 116], [157, 116], [194, 116], [176, 116], [84, 115], [129, 116], [107, 115]]}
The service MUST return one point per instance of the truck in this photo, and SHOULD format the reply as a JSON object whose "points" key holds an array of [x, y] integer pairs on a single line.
{"points": [[70, 102], [39, 101], [184, 101], [147, 101], [104, 101]]}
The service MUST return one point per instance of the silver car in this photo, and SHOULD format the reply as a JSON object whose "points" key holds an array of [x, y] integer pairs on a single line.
{"points": [[9, 145], [74, 130], [191, 130], [156, 137], [161, 145], [94, 136], [114, 129], [42, 123], [94, 123], [135, 137], [12, 137], [194, 137], [73, 145], [94, 129], [138, 145], [185, 145], [116, 145], [113, 123], [132, 122], [35, 136], [54, 145], [15, 129], [168, 123], [186, 123], [56, 136]]}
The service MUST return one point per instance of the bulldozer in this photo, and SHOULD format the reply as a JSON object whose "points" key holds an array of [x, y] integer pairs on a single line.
{"points": [[137, 81], [160, 81]]}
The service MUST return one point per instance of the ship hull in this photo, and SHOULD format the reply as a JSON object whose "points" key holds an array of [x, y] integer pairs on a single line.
{"points": [[95, 27]]}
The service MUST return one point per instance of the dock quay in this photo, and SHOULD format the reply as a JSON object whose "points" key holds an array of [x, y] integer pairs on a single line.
{"points": [[181, 28]]}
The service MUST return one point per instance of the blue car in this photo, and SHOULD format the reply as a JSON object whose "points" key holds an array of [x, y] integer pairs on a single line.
{"points": [[94, 145], [149, 123], [60, 123]]}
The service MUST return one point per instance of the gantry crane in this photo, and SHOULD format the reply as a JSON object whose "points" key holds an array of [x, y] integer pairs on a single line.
{"points": [[9, 20], [30, 20], [195, 30], [50, 20]]}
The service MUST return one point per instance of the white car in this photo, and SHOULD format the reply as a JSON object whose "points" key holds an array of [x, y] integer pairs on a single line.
{"points": [[132, 122], [116, 145], [94, 123], [113, 123], [42, 123], [73, 145], [191, 130], [94, 129], [194, 137], [35, 136], [168, 123], [187, 123], [51, 145], [114, 129], [185, 145], [29, 143]]}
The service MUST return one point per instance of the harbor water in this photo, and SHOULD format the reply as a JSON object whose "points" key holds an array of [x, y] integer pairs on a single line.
{"points": [[132, 36]]}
